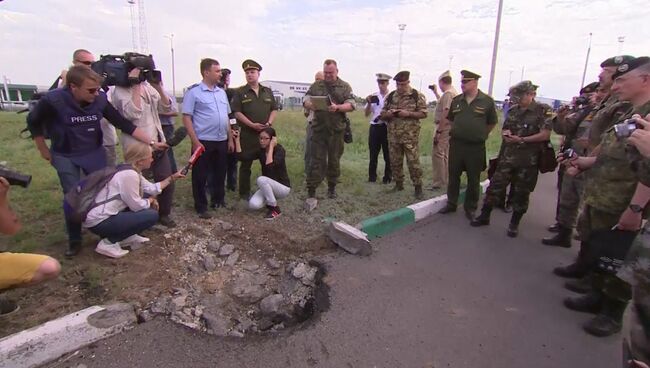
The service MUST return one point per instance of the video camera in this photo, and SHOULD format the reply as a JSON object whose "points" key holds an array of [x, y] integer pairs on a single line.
{"points": [[115, 69], [15, 178]]}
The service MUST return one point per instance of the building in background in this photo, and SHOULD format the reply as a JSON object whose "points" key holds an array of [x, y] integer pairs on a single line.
{"points": [[15, 96], [289, 94]]}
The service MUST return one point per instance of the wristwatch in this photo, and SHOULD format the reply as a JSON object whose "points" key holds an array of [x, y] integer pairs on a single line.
{"points": [[636, 208]]}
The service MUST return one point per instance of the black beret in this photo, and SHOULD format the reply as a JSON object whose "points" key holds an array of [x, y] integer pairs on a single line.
{"points": [[402, 76], [469, 75], [590, 88], [630, 65], [616, 60], [251, 64]]}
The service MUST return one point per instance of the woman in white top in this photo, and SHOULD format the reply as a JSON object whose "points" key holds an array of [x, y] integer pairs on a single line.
{"points": [[126, 211]]}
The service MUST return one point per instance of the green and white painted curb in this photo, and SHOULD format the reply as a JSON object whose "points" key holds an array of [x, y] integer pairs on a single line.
{"points": [[389, 222]]}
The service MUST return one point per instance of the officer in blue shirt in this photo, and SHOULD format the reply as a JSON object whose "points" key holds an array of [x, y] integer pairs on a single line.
{"points": [[71, 116], [205, 116]]}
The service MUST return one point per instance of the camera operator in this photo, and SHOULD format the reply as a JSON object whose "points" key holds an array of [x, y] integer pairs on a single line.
{"points": [[19, 269], [615, 201], [167, 122], [72, 116], [141, 103]]}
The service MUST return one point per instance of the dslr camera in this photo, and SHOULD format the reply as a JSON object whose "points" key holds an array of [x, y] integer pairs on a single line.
{"points": [[15, 178], [624, 130], [115, 69]]}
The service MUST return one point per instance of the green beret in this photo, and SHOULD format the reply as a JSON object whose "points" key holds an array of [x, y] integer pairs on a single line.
{"points": [[402, 76], [382, 77], [251, 64], [616, 60], [522, 87], [630, 65], [590, 88], [469, 75]]}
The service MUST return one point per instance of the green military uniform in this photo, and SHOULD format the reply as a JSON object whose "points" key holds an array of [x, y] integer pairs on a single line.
{"points": [[471, 124], [605, 115], [518, 161], [257, 107], [404, 133], [328, 129]]}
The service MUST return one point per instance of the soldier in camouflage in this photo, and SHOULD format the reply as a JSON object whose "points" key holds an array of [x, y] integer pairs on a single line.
{"points": [[606, 114], [615, 198], [403, 109], [524, 132], [328, 128]]}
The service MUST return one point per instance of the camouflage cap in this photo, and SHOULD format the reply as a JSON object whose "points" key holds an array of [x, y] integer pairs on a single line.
{"points": [[383, 77], [469, 75], [522, 87], [630, 65], [616, 60], [402, 76], [590, 88], [251, 64]]}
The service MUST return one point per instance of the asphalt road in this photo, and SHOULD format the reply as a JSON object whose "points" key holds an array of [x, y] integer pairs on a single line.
{"points": [[437, 294]]}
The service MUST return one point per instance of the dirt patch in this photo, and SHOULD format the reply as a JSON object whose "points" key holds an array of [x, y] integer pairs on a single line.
{"points": [[231, 275]]}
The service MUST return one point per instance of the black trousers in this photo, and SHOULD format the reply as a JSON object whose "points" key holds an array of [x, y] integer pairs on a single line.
{"points": [[378, 141], [231, 172], [214, 161]]}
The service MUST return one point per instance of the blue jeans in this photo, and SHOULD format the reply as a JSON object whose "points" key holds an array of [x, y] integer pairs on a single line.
{"points": [[69, 173], [126, 223]]}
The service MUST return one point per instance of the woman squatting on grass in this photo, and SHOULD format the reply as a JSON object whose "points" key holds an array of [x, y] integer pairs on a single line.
{"points": [[125, 211], [274, 181]]}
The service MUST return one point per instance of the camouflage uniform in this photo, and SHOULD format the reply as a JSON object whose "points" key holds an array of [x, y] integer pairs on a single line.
{"points": [[605, 115], [327, 134], [404, 135], [518, 161]]}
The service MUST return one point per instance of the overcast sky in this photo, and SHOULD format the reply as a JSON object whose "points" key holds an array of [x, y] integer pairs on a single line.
{"points": [[290, 39]]}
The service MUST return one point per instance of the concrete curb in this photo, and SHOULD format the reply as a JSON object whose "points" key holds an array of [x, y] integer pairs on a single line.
{"points": [[51, 340], [389, 222]]}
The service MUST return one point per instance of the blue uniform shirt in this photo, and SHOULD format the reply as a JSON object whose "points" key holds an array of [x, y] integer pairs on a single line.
{"points": [[209, 109]]}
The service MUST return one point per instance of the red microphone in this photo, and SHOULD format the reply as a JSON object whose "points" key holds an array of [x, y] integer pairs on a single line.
{"points": [[195, 156]]}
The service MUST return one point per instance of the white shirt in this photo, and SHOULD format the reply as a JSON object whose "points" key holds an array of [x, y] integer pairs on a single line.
{"points": [[127, 184], [375, 108]]}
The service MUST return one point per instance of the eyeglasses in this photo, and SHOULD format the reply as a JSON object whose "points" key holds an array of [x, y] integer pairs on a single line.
{"points": [[466, 80], [85, 62]]}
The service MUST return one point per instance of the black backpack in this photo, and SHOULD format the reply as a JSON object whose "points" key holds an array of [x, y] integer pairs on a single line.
{"points": [[83, 197]]}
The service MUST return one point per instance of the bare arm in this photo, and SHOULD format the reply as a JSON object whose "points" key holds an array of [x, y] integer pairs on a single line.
{"points": [[9, 222]]}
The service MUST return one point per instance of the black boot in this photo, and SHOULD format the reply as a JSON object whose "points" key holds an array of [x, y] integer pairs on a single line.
{"points": [[331, 192], [74, 247], [561, 239], [554, 228], [578, 268], [580, 286], [418, 192], [608, 321], [589, 303], [513, 228], [484, 218]]}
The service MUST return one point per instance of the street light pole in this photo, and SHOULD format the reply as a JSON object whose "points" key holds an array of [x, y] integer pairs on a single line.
{"points": [[495, 48], [171, 42], [584, 72], [401, 28], [621, 39]]}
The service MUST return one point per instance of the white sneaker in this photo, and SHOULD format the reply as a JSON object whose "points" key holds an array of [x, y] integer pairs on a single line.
{"points": [[108, 249], [134, 239]]}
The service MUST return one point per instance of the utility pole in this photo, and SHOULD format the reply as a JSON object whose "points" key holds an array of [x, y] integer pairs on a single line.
{"points": [[621, 39], [584, 72], [401, 28], [171, 42], [510, 78], [495, 48], [522, 73], [134, 29]]}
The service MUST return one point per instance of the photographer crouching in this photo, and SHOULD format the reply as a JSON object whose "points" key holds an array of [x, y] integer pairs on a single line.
{"points": [[142, 102], [71, 115], [19, 269]]}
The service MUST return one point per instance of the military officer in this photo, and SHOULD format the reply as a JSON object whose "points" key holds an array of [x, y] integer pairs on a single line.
{"points": [[403, 109], [440, 150], [606, 114], [255, 108], [524, 131], [328, 128], [614, 205], [473, 116]]}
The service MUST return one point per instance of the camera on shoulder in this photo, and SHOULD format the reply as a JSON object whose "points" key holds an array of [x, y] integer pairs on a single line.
{"points": [[115, 69]]}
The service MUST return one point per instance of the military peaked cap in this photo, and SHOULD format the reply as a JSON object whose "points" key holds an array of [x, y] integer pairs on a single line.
{"points": [[251, 64], [469, 75], [383, 77]]}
